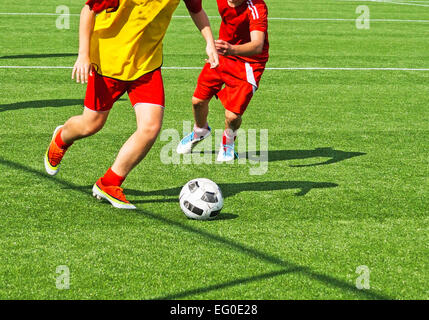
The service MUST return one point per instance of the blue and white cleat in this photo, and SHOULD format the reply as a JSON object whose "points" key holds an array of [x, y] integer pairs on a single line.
{"points": [[226, 153], [190, 141]]}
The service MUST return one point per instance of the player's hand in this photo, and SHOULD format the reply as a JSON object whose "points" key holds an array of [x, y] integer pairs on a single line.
{"points": [[82, 69], [213, 56], [223, 48]]}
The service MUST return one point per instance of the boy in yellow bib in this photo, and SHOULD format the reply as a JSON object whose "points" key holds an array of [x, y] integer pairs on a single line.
{"points": [[120, 50]]}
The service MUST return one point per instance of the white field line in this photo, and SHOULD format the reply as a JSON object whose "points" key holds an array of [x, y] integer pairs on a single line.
{"points": [[389, 2], [325, 19], [352, 20], [34, 67], [34, 14], [217, 17], [350, 69], [271, 68]]}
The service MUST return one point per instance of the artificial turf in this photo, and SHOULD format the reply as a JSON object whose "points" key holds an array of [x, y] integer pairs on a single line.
{"points": [[346, 185]]}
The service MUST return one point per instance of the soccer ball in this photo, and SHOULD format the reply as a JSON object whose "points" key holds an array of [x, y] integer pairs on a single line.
{"points": [[201, 199]]}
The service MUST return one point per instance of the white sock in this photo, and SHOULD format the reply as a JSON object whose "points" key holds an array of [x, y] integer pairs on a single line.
{"points": [[200, 132], [229, 136]]}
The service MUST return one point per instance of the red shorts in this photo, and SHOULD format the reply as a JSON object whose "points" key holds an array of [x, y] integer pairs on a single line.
{"points": [[241, 81], [102, 92]]}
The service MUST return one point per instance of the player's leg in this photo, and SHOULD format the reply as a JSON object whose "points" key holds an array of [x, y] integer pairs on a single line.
{"points": [[235, 100], [233, 122], [149, 122], [241, 82], [209, 83], [77, 127], [201, 128], [147, 96], [101, 93], [200, 108], [84, 125]]}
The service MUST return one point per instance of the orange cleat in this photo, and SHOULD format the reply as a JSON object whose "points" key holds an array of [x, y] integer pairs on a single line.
{"points": [[113, 194], [54, 155]]}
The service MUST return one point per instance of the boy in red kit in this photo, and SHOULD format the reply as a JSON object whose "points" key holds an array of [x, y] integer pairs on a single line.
{"points": [[243, 47], [120, 50]]}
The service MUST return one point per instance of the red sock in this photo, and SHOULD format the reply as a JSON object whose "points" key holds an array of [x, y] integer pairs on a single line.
{"points": [[229, 137], [59, 142], [112, 179]]}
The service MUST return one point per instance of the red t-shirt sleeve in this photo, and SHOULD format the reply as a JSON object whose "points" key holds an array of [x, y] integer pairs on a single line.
{"points": [[100, 5], [194, 6], [258, 16]]}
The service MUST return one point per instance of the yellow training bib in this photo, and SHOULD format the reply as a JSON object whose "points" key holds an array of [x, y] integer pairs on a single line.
{"points": [[127, 43]]}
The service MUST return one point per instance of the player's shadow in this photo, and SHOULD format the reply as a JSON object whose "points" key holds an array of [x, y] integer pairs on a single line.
{"points": [[231, 189], [38, 56], [228, 190], [333, 156]]}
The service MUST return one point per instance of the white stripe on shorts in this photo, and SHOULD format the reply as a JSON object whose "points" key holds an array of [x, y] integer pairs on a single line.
{"points": [[250, 76]]}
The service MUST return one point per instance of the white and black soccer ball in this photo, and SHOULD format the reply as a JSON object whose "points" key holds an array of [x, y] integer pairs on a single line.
{"points": [[201, 199]]}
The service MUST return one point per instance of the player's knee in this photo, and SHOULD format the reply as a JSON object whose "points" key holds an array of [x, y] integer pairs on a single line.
{"points": [[92, 128], [149, 130], [197, 103], [232, 117]]}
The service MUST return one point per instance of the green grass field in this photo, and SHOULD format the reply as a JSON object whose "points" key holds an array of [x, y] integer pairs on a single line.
{"points": [[346, 186]]}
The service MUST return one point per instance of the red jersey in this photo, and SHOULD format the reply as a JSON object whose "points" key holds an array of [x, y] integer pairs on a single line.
{"points": [[100, 5], [238, 22]]}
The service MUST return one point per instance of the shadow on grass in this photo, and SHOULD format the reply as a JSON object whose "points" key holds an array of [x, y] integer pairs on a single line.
{"points": [[55, 103], [228, 284], [288, 267], [334, 155], [225, 216], [231, 189], [41, 104], [283, 155], [38, 56], [228, 189]]}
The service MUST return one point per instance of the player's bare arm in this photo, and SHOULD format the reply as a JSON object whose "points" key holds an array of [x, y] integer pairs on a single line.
{"points": [[254, 47], [202, 22], [82, 67]]}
